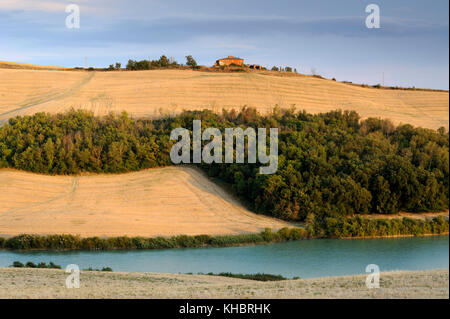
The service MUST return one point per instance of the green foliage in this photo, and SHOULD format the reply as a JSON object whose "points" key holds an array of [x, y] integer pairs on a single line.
{"points": [[52, 265], [30, 264], [365, 227], [79, 142], [327, 227], [190, 61], [163, 62], [257, 277], [71, 242], [107, 269], [330, 165]]}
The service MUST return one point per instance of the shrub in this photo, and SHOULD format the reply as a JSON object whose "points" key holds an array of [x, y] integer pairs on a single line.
{"points": [[258, 276], [190, 61], [52, 265], [268, 235]]}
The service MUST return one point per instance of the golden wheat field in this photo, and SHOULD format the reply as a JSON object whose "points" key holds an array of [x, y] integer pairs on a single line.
{"points": [[163, 201], [161, 92], [17, 65]]}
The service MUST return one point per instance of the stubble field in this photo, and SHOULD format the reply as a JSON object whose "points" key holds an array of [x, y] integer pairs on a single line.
{"points": [[47, 283], [162, 92], [155, 202]]}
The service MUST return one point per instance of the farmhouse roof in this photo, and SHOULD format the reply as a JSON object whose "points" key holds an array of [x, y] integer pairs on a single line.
{"points": [[231, 57]]}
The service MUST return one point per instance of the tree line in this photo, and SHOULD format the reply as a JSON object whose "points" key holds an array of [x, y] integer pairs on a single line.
{"points": [[329, 227], [161, 63], [330, 165]]}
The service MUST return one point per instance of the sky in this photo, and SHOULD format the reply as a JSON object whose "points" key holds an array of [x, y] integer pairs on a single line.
{"points": [[411, 47]]}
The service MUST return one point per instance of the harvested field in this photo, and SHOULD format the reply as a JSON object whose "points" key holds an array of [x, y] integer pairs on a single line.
{"points": [[48, 283], [161, 92], [27, 66], [156, 202]]}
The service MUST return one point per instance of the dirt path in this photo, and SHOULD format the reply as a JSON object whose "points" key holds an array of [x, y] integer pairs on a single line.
{"points": [[52, 96]]}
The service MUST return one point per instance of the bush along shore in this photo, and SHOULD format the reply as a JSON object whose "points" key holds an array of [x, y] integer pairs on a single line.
{"points": [[330, 227], [257, 277], [30, 264], [51, 265]]}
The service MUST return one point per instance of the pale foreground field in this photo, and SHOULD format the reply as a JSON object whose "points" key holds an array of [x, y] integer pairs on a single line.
{"points": [[48, 283], [156, 202], [161, 92]]}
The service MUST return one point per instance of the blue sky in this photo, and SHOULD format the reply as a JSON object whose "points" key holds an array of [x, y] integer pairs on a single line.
{"points": [[411, 47]]}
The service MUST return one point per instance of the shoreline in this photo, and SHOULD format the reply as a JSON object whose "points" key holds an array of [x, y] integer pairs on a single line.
{"points": [[50, 283], [393, 236], [243, 244]]}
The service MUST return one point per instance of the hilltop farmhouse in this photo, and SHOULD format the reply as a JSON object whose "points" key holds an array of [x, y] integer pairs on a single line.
{"points": [[229, 61]]}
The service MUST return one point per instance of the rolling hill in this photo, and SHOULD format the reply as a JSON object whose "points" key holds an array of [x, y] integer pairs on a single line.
{"points": [[175, 200], [161, 92], [156, 202]]}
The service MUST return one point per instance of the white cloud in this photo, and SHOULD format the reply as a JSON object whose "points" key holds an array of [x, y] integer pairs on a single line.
{"points": [[49, 6], [30, 5]]}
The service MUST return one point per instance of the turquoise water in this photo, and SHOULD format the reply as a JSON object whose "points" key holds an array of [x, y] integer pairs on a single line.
{"points": [[306, 258]]}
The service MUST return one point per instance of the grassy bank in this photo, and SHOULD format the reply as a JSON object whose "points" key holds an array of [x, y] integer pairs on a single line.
{"points": [[356, 227], [49, 283]]}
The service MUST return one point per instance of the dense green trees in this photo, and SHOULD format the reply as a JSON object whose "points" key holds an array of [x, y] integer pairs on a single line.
{"points": [[333, 164], [364, 227], [330, 165], [190, 61], [163, 62], [77, 142]]}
